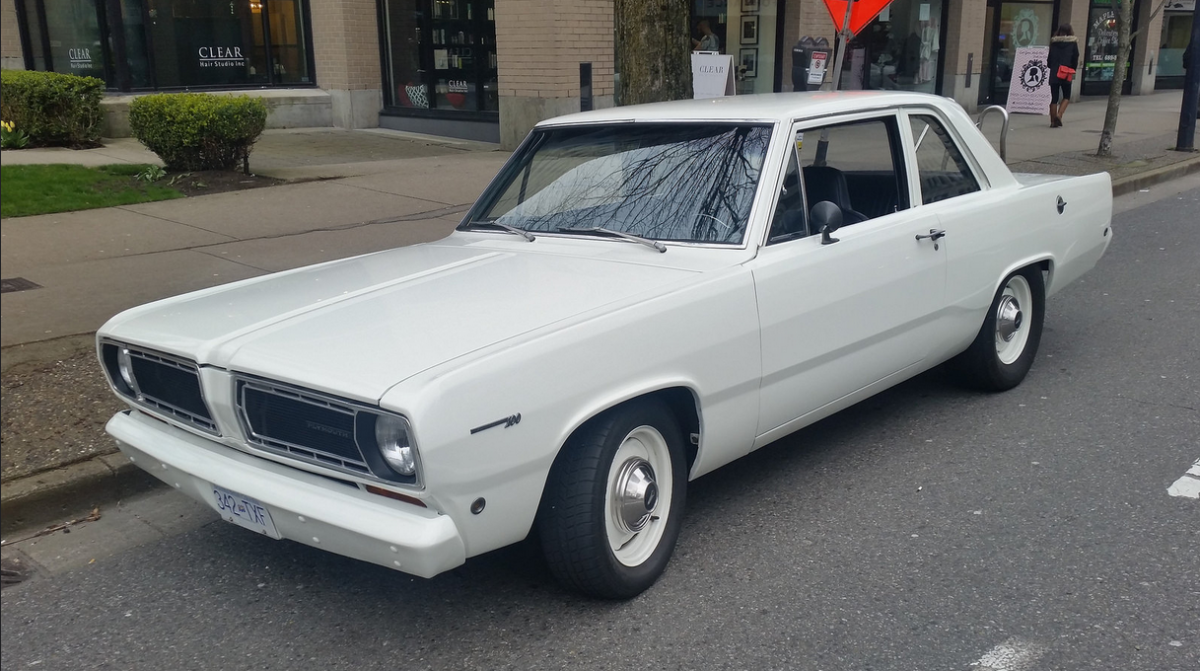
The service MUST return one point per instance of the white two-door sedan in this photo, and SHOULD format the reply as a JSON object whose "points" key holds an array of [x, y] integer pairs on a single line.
{"points": [[642, 295]]}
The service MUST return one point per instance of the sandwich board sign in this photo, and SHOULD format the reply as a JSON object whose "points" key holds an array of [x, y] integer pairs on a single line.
{"points": [[712, 75], [1029, 90]]}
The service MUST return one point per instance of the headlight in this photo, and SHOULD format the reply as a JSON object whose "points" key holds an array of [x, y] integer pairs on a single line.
{"points": [[125, 365], [392, 437]]}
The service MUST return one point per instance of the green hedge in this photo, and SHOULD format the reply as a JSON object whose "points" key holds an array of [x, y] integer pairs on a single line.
{"points": [[52, 108], [198, 131]]}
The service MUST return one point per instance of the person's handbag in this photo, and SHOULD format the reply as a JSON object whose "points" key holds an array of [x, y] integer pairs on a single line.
{"points": [[1066, 73]]}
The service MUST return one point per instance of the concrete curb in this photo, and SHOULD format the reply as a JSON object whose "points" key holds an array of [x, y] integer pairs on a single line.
{"points": [[1166, 173], [49, 496]]}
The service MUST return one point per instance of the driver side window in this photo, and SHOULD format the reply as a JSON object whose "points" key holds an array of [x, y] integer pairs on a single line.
{"points": [[856, 166]]}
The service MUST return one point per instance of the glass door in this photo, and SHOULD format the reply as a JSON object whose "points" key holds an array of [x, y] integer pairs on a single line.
{"points": [[1011, 26]]}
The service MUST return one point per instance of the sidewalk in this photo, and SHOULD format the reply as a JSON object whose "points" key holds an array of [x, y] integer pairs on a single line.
{"points": [[367, 190]]}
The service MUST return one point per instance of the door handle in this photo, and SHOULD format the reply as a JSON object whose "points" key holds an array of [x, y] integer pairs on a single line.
{"points": [[935, 234], [1061, 204]]}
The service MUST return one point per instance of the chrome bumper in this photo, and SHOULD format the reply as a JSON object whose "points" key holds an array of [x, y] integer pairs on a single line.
{"points": [[305, 508]]}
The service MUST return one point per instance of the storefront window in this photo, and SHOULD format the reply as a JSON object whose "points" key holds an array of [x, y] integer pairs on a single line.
{"points": [[1101, 53], [744, 29], [899, 50], [440, 55], [1176, 32], [76, 47], [1011, 26], [175, 43]]}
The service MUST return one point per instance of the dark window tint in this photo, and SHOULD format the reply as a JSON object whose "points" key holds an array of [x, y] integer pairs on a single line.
{"points": [[943, 171], [683, 182]]}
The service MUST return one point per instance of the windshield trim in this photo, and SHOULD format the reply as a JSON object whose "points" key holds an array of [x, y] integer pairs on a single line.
{"points": [[514, 164]]}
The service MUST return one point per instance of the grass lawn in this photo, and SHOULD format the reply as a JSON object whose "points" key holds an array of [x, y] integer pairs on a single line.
{"points": [[41, 189]]}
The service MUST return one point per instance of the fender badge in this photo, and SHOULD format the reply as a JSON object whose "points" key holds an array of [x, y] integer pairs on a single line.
{"points": [[511, 420]]}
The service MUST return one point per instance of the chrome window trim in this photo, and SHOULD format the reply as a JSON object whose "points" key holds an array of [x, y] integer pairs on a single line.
{"points": [[977, 172], [158, 407], [258, 443], [751, 217]]}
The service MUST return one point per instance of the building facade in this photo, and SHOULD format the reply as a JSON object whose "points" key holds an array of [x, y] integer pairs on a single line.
{"points": [[490, 69]]}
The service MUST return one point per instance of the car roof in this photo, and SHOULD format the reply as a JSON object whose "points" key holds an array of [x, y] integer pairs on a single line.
{"points": [[765, 107]]}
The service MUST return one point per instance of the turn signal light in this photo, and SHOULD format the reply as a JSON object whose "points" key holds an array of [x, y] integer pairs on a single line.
{"points": [[396, 495]]}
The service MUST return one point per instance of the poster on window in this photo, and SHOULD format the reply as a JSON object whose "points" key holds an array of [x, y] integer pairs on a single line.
{"points": [[1029, 91]]}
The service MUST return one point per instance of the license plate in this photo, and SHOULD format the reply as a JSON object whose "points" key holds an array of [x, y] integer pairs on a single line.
{"points": [[244, 512]]}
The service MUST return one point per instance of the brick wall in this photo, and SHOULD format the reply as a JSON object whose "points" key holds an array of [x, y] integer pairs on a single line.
{"points": [[540, 45], [10, 37], [345, 44]]}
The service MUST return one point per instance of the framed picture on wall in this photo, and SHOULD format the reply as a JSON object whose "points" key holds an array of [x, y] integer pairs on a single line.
{"points": [[749, 30], [750, 6], [748, 59]]}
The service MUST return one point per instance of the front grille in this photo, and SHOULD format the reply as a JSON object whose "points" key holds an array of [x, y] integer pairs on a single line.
{"points": [[300, 425], [172, 387]]}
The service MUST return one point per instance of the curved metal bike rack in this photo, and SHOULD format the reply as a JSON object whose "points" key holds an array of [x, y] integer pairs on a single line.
{"points": [[1003, 129]]}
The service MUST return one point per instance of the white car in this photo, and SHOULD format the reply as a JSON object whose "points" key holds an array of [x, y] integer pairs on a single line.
{"points": [[643, 294]]}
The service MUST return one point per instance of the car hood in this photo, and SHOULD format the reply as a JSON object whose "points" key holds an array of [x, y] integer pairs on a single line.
{"points": [[357, 327]]}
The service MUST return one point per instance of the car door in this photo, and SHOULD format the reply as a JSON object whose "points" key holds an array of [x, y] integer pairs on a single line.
{"points": [[839, 319]]}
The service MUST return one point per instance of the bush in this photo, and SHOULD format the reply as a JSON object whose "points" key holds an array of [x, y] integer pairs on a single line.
{"points": [[198, 131], [52, 108]]}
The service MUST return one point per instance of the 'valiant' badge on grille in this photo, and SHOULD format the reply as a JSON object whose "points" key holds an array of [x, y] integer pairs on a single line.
{"points": [[325, 428], [511, 420]]}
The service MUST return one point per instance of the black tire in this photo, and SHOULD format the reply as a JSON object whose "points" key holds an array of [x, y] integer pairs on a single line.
{"points": [[982, 366], [573, 519]]}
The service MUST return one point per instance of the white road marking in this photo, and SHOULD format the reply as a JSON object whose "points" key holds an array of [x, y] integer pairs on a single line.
{"points": [[1015, 654], [1187, 486]]}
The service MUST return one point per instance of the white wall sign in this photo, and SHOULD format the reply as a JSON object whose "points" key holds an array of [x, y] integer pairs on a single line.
{"points": [[1029, 90], [712, 75]]}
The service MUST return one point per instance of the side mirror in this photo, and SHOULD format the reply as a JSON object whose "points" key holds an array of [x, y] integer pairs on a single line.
{"points": [[828, 218]]}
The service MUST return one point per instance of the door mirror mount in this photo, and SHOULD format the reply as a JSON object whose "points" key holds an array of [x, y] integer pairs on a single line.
{"points": [[827, 217]]}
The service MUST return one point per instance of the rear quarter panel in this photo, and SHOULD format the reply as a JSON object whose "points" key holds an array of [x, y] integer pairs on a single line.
{"points": [[995, 232]]}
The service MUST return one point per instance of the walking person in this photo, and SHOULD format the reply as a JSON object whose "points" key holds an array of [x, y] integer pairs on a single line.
{"points": [[1063, 62]]}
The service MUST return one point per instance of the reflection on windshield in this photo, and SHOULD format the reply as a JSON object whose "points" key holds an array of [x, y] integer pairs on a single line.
{"points": [[664, 182]]}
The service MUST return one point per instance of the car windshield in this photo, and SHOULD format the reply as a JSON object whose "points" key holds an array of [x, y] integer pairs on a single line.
{"points": [[675, 182]]}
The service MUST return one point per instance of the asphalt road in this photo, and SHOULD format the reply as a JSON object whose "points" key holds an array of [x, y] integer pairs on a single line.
{"points": [[927, 528]]}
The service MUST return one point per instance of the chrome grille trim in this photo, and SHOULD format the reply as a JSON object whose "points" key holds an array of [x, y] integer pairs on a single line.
{"points": [[302, 452], [162, 406]]}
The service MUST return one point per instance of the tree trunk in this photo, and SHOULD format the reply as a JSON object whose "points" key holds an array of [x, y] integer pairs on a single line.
{"points": [[653, 51], [1124, 24]]}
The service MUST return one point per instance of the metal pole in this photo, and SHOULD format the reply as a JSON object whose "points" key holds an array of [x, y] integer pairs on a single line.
{"points": [[823, 143], [1186, 140], [841, 52]]}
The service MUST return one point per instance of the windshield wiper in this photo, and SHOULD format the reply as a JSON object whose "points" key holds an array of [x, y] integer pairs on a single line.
{"points": [[504, 227], [652, 244]]}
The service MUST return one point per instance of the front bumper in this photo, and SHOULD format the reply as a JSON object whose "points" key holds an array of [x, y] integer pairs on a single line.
{"points": [[305, 508]]}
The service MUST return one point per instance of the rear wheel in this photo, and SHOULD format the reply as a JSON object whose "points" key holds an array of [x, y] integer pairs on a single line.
{"points": [[1007, 343], [613, 504]]}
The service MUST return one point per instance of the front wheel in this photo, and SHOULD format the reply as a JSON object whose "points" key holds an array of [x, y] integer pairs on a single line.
{"points": [[1006, 345], [614, 501]]}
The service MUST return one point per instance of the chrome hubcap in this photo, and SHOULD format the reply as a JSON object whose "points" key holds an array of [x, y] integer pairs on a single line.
{"points": [[636, 495], [1008, 318]]}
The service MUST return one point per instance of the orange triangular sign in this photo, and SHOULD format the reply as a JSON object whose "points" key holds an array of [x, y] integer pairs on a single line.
{"points": [[862, 13]]}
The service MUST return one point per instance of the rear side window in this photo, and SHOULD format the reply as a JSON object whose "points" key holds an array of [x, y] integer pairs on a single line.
{"points": [[943, 171]]}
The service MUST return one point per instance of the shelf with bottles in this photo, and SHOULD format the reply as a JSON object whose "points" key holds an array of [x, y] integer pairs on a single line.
{"points": [[463, 10]]}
